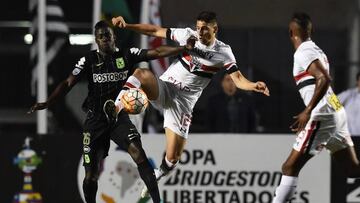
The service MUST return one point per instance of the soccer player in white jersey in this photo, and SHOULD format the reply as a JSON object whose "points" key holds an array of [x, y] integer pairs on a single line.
{"points": [[322, 124], [178, 89]]}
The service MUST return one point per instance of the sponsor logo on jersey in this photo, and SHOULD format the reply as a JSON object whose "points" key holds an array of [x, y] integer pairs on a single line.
{"points": [[109, 77], [203, 54], [120, 63]]}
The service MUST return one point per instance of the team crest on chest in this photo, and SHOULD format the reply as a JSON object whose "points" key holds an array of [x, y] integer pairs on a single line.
{"points": [[120, 63]]}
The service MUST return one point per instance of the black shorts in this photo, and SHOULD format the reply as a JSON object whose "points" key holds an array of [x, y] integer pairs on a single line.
{"points": [[98, 132]]}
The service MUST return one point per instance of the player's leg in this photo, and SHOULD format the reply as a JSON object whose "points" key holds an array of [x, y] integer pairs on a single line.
{"points": [[303, 150], [290, 170], [143, 78], [148, 82], [94, 153], [145, 169], [174, 147], [127, 137], [348, 159]]}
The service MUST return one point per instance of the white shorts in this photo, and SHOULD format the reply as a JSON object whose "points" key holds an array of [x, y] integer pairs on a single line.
{"points": [[176, 108], [330, 131]]}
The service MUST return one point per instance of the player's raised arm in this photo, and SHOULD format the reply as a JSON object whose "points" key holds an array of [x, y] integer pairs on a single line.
{"points": [[242, 83], [61, 90], [147, 29], [164, 51]]}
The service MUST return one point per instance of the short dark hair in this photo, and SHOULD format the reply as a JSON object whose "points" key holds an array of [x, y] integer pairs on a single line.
{"points": [[304, 21], [102, 24], [358, 76], [207, 17]]}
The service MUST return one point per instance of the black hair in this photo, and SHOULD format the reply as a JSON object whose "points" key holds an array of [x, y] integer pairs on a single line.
{"points": [[304, 22], [102, 24], [358, 76], [207, 17]]}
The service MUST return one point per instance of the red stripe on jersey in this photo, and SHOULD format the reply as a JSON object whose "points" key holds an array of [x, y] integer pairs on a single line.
{"points": [[308, 135], [187, 56], [127, 84], [209, 68], [301, 75]]}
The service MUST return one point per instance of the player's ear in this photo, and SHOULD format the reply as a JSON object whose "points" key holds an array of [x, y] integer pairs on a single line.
{"points": [[216, 28]]}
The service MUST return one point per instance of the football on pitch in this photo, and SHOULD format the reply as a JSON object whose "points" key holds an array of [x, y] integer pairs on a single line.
{"points": [[134, 101]]}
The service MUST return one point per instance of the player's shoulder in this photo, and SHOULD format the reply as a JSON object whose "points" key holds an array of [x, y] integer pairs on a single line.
{"points": [[222, 47], [307, 47]]}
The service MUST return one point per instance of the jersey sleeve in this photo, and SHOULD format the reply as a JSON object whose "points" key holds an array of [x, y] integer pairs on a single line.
{"points": [[179, 35], [305, 57], [136, 55], [81, 67], [229, 61]]}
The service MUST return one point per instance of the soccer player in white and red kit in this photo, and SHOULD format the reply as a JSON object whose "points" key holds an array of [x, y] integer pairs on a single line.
{"points": [[179, 87], [322, 124]]}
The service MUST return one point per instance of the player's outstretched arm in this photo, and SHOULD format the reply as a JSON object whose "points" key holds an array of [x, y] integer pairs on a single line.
{"points": [[147, 29], [61, 90], [242, 83], [323, 80], [164, 51]]}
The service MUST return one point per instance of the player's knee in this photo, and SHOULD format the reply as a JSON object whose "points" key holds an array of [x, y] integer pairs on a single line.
{"points": [[141, 74], [91, 176], [137, 153]]}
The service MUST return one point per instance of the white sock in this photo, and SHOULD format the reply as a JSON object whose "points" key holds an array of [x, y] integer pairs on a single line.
{"points": [[170, 164], [159, 173], [131, 82], [286, 189]]}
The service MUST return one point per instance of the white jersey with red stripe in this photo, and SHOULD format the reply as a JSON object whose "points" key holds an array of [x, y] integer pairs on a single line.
{"points": [[305, 54], [192, 71]]}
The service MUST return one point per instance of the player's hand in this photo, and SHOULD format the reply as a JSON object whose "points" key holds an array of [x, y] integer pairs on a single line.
{"points": [[262, 88], [119, 22], [301, 121], [190, 43], [38, 106]]}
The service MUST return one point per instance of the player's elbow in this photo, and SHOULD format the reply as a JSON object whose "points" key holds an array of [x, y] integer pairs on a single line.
{"points": [[324, 80]]}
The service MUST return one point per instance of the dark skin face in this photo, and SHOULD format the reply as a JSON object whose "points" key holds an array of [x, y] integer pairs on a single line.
{"points": [[294, 34], [206, 31], [105, 39]]}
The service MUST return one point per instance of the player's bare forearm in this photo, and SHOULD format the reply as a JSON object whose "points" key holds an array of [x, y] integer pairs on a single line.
{"points": [[164, 51], [61, 90], [321, 86], [148, 29], [242, 83]]}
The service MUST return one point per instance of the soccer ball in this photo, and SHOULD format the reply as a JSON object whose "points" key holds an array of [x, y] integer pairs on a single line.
{"points": [[134, 101]]}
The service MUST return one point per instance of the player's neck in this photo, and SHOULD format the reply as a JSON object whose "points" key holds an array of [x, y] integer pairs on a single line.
{"points": [[299, 41], [210, 43]]}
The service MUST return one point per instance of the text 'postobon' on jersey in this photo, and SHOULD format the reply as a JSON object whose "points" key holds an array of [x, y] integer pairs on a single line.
{"points": [[192, 71], [305, 54]]}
